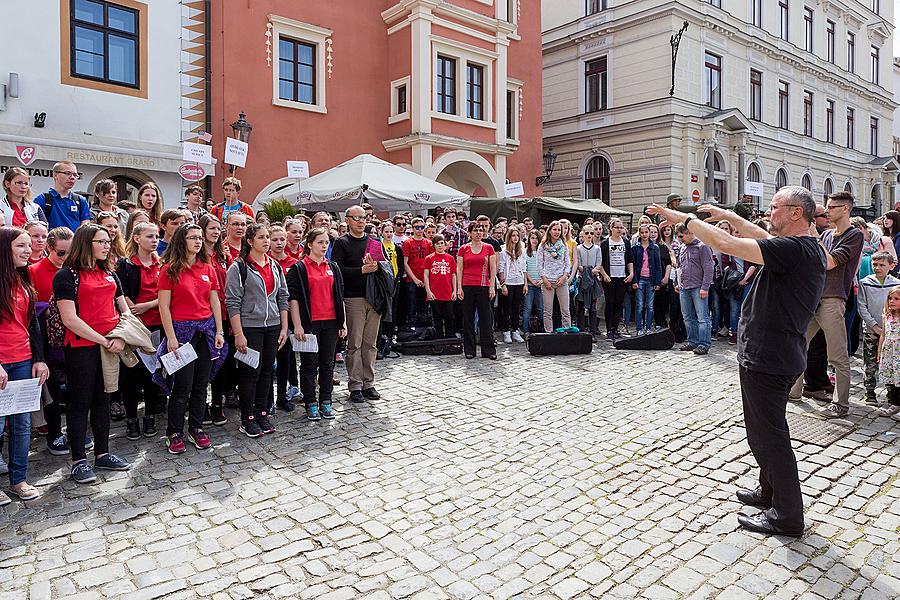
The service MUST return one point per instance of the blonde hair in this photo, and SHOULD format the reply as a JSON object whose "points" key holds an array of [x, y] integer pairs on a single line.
{"points": [[895, 291], [11, 174], [546, 241], [131, 247]]}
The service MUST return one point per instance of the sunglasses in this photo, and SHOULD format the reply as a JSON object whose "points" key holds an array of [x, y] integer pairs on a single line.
{"points": [[357, 218], [61, 253], [418, 227]]}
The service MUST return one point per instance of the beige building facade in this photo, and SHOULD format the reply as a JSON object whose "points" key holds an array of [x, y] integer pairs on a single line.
{"points": [[766, 93]]}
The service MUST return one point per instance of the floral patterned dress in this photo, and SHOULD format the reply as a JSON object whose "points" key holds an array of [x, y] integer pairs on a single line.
{"points": [[889, 367]]}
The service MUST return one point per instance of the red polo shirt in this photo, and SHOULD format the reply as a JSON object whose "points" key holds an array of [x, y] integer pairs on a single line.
{"points": [[97, 293], [14, 345], [321, 290], [190, 294], [265, 270], [233, 253], [149, 290], [42, 275]]}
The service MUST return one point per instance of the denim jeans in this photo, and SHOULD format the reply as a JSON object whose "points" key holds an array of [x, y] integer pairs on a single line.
{"points": [[19, 434], [533, 299], [696, 318], [735, 300], [644, 296]]}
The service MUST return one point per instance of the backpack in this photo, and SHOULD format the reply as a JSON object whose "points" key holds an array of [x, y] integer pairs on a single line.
{"points": [[56, 331], [48, 204]]}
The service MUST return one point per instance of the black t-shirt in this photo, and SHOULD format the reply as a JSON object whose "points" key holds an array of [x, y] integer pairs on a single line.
{"points": [[783, 297], [348, 252], [494, 243]]}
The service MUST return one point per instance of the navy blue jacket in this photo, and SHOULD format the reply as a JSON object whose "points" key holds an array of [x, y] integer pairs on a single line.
{"points": [[637, 256]]}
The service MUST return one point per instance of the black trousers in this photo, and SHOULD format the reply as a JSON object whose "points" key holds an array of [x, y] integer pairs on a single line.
{"points": [[255, 385], [512, 307], [227, 377], [443, 317], [136, 384], [189, 389], [615, 297], [87, 401], [59, 395], [285, 370], [476, 299], [893, 394], [816, 374], [765, 398], [319, 364], [589, 322], [661, 304]]}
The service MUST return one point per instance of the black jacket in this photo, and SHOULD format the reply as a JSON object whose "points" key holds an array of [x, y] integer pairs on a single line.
{"points": [[604, 251], [130, 276], [298, 289]]}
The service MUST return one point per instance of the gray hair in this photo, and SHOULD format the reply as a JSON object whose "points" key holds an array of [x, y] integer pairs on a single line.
{"points": [[355, 206], [800, 196]]}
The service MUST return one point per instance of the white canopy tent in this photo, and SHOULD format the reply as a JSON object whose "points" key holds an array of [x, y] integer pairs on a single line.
{"points": [[365, 178]]}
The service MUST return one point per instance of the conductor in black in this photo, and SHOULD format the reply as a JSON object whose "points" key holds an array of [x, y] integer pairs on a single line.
{"points": [[771, 339]]}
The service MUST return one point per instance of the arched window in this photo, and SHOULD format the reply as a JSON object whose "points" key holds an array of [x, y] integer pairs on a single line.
{"points": [[753, 173], [596, 179], [829, 186], [848, 187], [720, 178], [780, 179], [806, 182], [876, 196]]}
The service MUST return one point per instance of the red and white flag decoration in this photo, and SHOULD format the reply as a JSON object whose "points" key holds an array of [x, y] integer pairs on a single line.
{"points": [[26, 154]]}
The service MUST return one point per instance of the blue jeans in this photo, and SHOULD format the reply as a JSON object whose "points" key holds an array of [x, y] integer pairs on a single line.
{"points": [[644, 297], [735, 302], [628, 305], [533, 299], [696, 318], [20, 427]]}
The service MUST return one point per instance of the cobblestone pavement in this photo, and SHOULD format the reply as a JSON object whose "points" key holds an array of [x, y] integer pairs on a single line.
{"points": [[527, 477]]}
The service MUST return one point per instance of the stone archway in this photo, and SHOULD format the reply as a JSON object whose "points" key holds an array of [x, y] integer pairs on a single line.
{"points": [[467, 172]]}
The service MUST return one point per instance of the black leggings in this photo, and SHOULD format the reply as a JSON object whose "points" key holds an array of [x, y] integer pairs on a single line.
{"points": [[475, 297], [226, 379], [319, 364], [615, 297], [189, 389], [285, 371], [893, 393], [136, 384], [87, 400], [254, 385], [512, 307]]}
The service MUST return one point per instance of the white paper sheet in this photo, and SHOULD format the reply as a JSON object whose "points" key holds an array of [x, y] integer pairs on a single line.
{"points": [[310, 345], [150, 361], [23, 396], [186, 355], [249, 358]]}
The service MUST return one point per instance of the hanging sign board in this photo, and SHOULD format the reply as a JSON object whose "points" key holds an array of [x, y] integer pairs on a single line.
{"points": [[753, 188], [235, 152], [298, 169], [197, 153], [511, 190]]}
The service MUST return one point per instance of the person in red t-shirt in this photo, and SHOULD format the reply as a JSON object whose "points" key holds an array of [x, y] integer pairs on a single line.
{"points": [[286, 360], [415, 250], [235, 230], [38, 232], [89, 309], [476, 270], [139, 273], [190, 311], [21, 351], [43, 272], [440, 287], [294, 228]]}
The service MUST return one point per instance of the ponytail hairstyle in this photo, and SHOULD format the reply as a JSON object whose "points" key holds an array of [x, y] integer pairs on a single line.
{"points": [[252, 229], [176, 255], [11, 277]]}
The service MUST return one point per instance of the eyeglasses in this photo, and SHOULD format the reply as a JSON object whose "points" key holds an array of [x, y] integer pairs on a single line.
{"points": [[833, 206], [102, 242], [357, 218], [418, 227], [193, 238], [821, 215], [72, 174], [774, 207]]}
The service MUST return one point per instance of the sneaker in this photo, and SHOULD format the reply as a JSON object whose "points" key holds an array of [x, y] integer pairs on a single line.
{"points": [[42, 430], [150, 426], [327, 412], [820, 395], [199, 438], [265, 424], [111, 462], [287, 405], [250, 427], [610, 336], [218, 416], [25, 492], [207, 416], [834, 411], [292, 393], [639, 332], [83, 473], [517, 337], [371, 394], [339, 357], [58, 447], [4, 499], [687, 348], [871, 398], [232, 400], [732, 339], [507, 337], [175, 444], [700, 351], [116, 410], [312, 411], [892, 411], [132, 429], [88, 442]]}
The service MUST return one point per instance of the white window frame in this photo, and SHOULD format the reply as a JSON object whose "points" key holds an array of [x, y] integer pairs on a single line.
{"points": [[396, 85], [310, 34], [464, 54], [516, 88], [582, 84]]}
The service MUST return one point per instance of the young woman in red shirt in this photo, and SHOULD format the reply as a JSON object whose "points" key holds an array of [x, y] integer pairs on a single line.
{"points": [[235, 230], [287, 385], [38, 232], [21, 350], [191, 314], [294, 228], [17, 207], [89, 297], [150, 200], [110, 222], [139, 273], [316, 292], [476, 270], [257, 300], [224, 384]]}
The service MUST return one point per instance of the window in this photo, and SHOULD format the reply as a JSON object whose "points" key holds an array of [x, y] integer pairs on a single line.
{"points": [[851, 52], [596, 179], [712, 77], [753, 173], [783, 20], [594, 6], [512, 114], [716, 3], [808, 29], [873, 136], [296, 71], [401, 100], [474, 91], [783, 104], [829, 121], [874, 63], [446, 85], [756, 12], [105, 43], [806, 181], [595, 79], [807, 113], [848, 187], [829, 187], [781, 179], [851, 117], [829, 40], [755, 95]]}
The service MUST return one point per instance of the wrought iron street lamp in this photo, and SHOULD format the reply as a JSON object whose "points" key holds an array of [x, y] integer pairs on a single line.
{"points": [[242, 130], [549, 164]]}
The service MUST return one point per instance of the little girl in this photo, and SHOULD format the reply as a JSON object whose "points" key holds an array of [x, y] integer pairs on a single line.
{"points": [[889, 354]]}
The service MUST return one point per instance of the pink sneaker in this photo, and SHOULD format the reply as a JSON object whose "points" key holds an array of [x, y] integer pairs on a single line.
{"points": [[199, 438], [175, 444]]}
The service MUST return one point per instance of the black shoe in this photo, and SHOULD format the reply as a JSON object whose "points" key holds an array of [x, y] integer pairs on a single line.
{"points": [[760, 524], [264, 423], [470, 356], [700, 351], [250, 428], [752, 498], [687, 348], [150, 426], [371, 394], [207, 416], [492, 356], [116, 410], [287, 405], [356, 396], [132, 429], [232, 400], [217, 415]]}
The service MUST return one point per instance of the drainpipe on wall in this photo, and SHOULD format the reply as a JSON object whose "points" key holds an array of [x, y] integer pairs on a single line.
{"points": [[208, 74]]}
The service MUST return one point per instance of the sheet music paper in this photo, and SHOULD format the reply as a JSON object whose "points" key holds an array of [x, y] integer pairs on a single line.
{"points": [[186, 355], [310, 345], [249, 358], [22, 396]]}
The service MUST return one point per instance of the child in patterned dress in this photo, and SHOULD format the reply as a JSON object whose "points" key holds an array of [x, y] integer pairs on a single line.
{"points": [[889, 354]]}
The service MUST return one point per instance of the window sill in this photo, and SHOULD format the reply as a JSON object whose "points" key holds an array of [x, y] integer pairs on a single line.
{"points": [[398, 118], [316, 108], [464, 120]]}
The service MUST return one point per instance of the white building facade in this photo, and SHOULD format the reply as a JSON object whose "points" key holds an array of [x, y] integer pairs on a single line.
{"points": [[772, 92], [105, 84]]}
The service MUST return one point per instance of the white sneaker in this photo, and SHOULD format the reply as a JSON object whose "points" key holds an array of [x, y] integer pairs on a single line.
{"points": [[516, 337], [890, 411], [507, 338]]}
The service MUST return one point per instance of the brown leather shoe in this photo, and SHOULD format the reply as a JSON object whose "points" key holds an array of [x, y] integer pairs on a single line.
{"points": [[820, 395]]}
